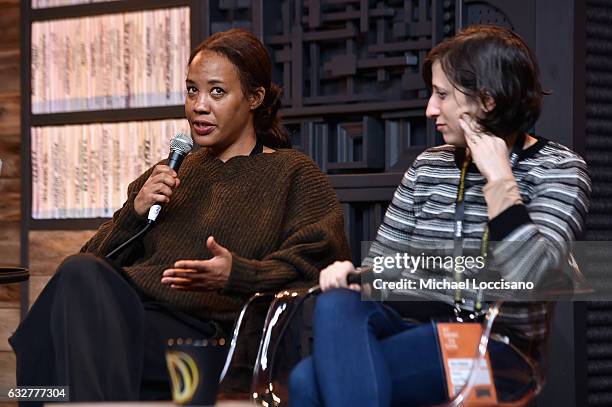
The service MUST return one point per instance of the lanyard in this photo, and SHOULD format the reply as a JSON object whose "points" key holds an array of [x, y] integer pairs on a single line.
{"points": [[459, 218]]}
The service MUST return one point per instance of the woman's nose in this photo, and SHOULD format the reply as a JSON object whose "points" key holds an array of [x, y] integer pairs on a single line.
{"points": [[202, 105], [432, 110]]}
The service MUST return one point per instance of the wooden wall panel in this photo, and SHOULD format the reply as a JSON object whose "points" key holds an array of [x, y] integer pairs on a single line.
{"points": [[37, 283], [10, 154], [10, 196], [10, 111], [9, 71], [9, 320], [48, 248], [7, 376], [9, 24], [9, 295], [9, 243], [10, 199]]}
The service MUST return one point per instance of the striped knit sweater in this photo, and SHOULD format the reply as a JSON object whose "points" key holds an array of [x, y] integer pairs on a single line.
{"points": [[276, 213], [531, 239]]}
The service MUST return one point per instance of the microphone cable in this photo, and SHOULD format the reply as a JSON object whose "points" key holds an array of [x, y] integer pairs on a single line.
{"points": [[130, 240]]}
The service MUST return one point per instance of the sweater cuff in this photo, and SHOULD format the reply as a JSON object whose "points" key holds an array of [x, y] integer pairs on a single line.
{"points": [[241, 277], [129, 220], [500, 195], [508, 221]]}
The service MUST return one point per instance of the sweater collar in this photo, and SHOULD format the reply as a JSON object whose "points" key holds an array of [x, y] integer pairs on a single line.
{"points": [[219, 170]]}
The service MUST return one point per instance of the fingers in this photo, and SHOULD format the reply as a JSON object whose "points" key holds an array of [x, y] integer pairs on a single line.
{"points": [[157, 189], [160, 192], [178, 276], [470, 123], [186, 284], [164, 174], [197, 265], [334, 275], [176, 280], [189, 279], [163, 179], [471, 141], [471, 129], [201, 275], [215, 248], [180, 272], [163, 169], [488, 152], [192, 287]]}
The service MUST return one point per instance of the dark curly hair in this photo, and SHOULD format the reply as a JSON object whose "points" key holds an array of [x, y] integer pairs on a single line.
{"points": [[487, 62], [251, 59]]}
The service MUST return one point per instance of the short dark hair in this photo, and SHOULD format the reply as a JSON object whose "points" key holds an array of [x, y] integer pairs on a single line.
{"points": [[252, 61], [487, 61]]}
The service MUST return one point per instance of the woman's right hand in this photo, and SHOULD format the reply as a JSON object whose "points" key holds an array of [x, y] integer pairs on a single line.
{"points": [[157, 189], [334, 276]]}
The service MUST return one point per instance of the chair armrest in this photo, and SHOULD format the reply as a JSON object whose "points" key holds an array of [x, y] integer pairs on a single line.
{"points": [[281, 313], [255, 298], [258, 298]]}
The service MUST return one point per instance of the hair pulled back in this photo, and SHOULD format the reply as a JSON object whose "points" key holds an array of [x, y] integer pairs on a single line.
{"points": [[254, 67]]}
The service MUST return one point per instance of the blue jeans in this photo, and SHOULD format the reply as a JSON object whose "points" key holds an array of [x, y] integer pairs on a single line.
{"points": [[366, 355]]}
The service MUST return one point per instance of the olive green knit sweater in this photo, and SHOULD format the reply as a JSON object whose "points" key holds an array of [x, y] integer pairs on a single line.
{"points": [[275, 212]]}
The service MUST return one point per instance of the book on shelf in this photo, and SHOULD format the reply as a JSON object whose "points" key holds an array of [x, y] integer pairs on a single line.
{"points": [[113, 61], [83, 171]]}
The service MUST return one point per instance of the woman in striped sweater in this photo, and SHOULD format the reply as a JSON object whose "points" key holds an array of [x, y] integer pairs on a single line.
{"points": [[514, 201]]}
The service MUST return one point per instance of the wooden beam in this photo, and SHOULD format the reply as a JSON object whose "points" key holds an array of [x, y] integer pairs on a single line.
{"points": [[109, 116], [107, 7]]}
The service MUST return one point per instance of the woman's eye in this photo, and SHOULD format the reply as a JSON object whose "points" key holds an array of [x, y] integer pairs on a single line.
{"points": [[217, 91], [441, 95], [191, 90]]}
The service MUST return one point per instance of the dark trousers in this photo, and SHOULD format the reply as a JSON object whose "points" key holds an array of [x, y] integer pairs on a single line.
{"points": [[91, 329]]}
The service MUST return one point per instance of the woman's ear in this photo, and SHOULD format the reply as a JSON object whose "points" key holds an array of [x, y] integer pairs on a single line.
{"points": [[487, 103], [256, 98]]}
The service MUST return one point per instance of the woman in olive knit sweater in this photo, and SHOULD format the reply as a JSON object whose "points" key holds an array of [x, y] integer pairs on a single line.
{"points": [[243, 214]]}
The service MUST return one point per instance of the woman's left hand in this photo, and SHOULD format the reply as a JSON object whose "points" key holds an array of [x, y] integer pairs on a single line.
{"points": [[201, 275], [489, 153]]}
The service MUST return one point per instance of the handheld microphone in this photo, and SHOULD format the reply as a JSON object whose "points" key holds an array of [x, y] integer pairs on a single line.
{"points": [[364, 275], [180, 146]]}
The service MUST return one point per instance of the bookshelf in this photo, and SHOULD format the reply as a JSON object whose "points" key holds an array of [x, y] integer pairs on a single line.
{"points": [[99, 79]]}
